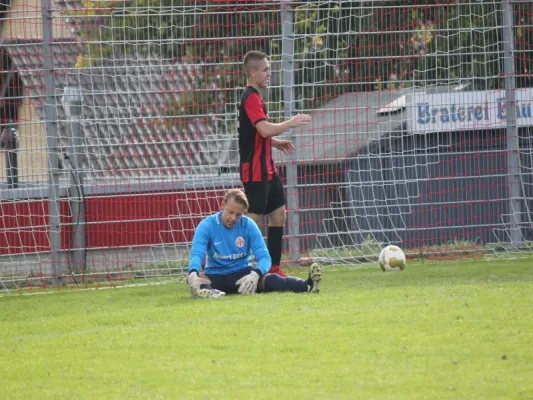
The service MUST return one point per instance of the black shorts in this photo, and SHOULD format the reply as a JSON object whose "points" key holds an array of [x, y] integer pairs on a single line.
{"points": [[226, 283], [265, 197]]}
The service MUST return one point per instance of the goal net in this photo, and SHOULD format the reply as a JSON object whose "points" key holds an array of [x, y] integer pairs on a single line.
{"points": [[118, 123]]}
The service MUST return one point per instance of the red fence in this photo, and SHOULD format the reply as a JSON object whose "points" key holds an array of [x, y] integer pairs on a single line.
{"points": [[111, 221]]}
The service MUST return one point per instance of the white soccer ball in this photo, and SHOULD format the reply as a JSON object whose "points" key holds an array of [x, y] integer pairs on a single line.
{"points": [[392, 257]]}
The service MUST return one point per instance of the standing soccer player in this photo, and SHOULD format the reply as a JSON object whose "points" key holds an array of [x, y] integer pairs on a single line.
{"points": [[259, 175]]}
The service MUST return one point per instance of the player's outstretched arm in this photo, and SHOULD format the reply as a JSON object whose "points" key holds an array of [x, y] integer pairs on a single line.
{"points": [[267, 129]]}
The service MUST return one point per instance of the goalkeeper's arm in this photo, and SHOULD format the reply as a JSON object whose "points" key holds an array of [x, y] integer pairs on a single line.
{"points": [[200, 242]]}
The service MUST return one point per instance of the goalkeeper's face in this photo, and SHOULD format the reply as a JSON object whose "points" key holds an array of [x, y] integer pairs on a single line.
{"points": [[232, 212]]}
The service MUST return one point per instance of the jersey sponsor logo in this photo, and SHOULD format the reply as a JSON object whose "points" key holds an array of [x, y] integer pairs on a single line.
{"points": [[234, 256], [239, 241]]}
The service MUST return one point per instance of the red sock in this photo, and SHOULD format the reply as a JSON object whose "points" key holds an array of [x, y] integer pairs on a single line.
{"points": [[275, 269]]}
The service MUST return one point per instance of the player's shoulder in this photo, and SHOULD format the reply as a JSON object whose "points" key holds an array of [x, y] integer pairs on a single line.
{"points": [[251, 93], [246, 222], [211, 221]]}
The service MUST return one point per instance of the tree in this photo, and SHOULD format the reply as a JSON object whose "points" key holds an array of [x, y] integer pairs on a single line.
{"points": [[178, 32], [523, 20], [357, 46], [339, 46]]}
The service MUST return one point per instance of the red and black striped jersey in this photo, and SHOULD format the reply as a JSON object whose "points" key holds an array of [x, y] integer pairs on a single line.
{"points": [[255, 152]]}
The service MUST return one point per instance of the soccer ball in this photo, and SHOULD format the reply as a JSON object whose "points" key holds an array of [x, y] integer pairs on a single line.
{"points": [[392, 257]]}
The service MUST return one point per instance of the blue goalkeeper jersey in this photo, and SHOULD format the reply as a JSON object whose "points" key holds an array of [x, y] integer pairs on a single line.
{"points": [[228, 249]]}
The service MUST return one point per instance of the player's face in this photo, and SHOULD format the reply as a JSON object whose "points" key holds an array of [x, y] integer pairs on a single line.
{"points": [[262, 73], [232, 212]]}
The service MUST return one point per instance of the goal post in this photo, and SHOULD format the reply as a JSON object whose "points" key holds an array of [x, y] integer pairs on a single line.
{"points": [[420, 133]]}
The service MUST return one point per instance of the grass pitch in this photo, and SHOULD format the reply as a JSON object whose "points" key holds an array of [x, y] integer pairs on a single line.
{"points": [[435, 331]]}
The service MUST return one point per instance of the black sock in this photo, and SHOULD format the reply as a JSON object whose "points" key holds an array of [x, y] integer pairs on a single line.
{"points": [[275, 243], [275, 283]]}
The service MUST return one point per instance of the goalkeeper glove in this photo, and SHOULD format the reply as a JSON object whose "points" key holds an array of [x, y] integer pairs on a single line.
{"points": [[248, 283], [194, 281]]}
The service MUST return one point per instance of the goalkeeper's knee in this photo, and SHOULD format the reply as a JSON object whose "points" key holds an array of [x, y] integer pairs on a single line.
{"points": [[275, 283]]}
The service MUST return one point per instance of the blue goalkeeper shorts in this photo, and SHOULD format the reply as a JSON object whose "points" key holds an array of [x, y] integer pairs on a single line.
{"points": [[227, 283]]}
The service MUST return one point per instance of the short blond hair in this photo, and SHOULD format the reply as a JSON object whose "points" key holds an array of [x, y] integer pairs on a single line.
{"points": [[239, 197], [251, 57]]}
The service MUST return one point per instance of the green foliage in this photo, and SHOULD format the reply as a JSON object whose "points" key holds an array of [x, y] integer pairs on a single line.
{"points": [[434, 331], [372, 48], [176, 31], [339, 46]]}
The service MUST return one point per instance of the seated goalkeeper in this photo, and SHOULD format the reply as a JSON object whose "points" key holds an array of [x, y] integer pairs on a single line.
{"points": [[229, 238]]}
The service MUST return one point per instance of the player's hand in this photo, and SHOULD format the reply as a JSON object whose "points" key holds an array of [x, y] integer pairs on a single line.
{"points": [[284, 146], [194, 281], [300, 119], [248, 283]]}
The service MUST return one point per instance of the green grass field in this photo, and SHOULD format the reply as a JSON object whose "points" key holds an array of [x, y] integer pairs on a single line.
{"points": [[434, 331]]}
